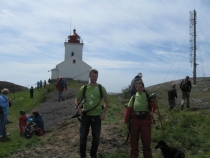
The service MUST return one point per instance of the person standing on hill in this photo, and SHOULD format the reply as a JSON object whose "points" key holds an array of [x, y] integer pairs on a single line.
{"points": [[22, 122], [31, 92], [4, 105], [60, 85], [45, 83], [185, 87], [38, 85], [132, 88], [138, 117], [93, 95], [172, 94], [49, 81]]}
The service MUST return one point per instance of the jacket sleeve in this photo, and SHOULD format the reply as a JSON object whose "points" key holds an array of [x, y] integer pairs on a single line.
{"points": [[128, 114]]}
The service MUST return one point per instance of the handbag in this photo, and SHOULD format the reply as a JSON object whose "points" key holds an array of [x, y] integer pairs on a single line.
{"points": [[141, 114]]}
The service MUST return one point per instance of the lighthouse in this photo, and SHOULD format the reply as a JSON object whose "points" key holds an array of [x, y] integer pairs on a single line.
{"points": [[73, 67]]}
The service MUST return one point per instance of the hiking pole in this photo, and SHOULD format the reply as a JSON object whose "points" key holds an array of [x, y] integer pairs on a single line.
{"points": [[160, 119]]}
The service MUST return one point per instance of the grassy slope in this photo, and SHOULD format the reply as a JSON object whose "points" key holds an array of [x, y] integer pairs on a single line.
{"points": [[187, 129]]}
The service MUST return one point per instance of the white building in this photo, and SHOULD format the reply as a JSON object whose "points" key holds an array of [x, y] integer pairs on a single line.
{"points": [[72, 67]]}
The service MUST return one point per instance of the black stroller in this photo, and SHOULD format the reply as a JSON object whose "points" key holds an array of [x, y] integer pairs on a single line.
{"points": [[30, 130]]}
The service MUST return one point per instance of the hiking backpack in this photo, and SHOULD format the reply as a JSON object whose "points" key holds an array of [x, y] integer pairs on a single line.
{"points": [[83, 97], [184, 85], [62, 83], [100, 90]]}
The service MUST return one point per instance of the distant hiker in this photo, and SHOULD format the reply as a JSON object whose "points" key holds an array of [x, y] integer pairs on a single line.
{"points": [[60, 85], [22, 122], [95, 114], [45, 83], [4, 109], [171, 96], [138, 117], [65, 84], [38, 84], [185, 87], [49, 81], [132, 88], [38, 119], [31, 92]]}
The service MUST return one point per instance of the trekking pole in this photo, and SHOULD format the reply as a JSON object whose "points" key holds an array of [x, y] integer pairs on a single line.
{"points": [[160, 119]]}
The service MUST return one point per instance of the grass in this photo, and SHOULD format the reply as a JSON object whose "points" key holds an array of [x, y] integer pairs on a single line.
{"points": [[186, 129]]}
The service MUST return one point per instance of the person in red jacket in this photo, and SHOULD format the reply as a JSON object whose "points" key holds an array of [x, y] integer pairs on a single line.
{"points": [[138, 111], [22, 122], [60, 85]]}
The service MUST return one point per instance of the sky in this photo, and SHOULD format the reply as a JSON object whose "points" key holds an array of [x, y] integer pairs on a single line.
{"points": [[121, 38]]}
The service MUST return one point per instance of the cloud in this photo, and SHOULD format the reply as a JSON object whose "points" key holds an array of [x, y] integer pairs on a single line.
{"points": [[121, 38]]}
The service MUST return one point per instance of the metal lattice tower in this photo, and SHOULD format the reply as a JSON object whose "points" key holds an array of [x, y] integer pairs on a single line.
{"points": [[193, 43]]}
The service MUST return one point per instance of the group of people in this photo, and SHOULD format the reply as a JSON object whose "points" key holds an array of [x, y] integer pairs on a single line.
{"points": [[138, 114], [36, 118], [39, 84], [5, 104], [185, 87]]}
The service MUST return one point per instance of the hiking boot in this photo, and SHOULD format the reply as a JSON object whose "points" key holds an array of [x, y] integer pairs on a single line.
{"points": [[7, 134], [63, 99], [182, 108], [1, 136]]}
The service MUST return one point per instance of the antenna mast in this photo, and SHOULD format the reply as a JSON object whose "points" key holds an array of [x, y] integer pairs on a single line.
{"points": [[70, 26], [193, 46]]}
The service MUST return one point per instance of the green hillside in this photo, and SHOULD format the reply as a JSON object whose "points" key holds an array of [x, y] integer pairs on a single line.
{"points": [[188, 129]]}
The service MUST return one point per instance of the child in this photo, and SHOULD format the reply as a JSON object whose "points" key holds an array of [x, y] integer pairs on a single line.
{"points": [[22, 122]]}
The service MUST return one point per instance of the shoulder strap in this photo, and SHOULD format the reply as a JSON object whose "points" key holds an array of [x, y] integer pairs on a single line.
{"points": [[84, 90], [100, 89], [101, 95], [83, 96], [133, 99]]}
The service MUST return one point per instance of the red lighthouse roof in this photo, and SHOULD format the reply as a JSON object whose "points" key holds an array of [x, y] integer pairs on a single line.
{"points": [[74, 37]]}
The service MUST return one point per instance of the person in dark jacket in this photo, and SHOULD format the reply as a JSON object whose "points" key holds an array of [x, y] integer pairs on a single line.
{"points": [[60, 87], [37, 118], [31, 92], [185, 92], [172, 95]]}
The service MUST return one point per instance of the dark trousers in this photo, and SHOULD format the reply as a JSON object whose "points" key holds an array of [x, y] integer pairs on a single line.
{"points": [[31, 94], [95, 123], [3, 122], [60, 96]]}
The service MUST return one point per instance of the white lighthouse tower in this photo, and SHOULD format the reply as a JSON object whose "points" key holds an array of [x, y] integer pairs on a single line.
{"points": [[72, 67]]}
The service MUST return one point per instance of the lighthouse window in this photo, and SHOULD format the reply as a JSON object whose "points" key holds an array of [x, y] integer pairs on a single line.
{"points": [[72, 53], [74, 61]]}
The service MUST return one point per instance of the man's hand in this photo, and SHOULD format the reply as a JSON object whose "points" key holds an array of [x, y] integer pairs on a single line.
{"points": [[102, 116], [80, 111]]}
